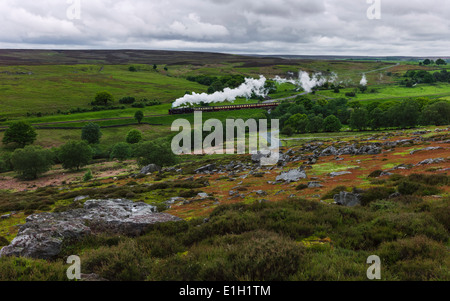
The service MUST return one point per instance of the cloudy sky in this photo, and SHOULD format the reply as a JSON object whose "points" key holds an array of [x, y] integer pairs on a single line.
{"points": [[302, 27]]}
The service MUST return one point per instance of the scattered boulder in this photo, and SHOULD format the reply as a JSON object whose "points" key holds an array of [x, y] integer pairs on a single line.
{"points": [[206, 169], [80, 198], [43, 234], [261, 192], [425, 149], [292, 175], [314, 184], [329, 151], [339, 173], [203, 195], [150, 169], [431, 161], [347, 199]]}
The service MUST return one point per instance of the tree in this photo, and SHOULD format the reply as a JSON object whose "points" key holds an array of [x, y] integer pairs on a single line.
{"points": [[75, 154], [441, 62], [358, 119], [298, 122], [155, 152], [376, 119], [315, 124], [287, 130], [134, 136], [91, 133], [103, 99], [436, 114], [427, 62], [20, 133], [31, 161], [155, 67], [139, 115], [121, 151], [132, 69], [332, 124]]}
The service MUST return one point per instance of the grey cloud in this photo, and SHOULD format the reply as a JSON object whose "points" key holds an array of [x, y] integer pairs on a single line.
{"points": [[407, 27]]}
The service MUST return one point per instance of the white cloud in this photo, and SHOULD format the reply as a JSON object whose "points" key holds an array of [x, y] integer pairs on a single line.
{"points": [[407, 27]]}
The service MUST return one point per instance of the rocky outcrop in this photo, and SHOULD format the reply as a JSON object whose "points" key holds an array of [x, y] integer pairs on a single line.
{"points": [[431, 161], [150, 168], [292, 175], [347, 199], [44, 234], [339, 173], [206, 169]]}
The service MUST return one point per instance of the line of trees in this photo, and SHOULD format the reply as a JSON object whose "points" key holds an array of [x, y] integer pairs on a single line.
{"points": [[308, 116]]}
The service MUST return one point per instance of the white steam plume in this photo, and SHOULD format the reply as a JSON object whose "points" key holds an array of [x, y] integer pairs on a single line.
{"points": [[306, 82], [363, 81], [249, 87]]}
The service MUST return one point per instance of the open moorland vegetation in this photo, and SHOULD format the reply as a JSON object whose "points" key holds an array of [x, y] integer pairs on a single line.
{"points": [[371, 164]]}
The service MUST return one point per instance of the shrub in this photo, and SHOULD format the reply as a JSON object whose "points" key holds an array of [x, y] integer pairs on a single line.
{"points": [[3, 242], [24, 269], [87, 176], [376, 193], [103, 99], [134, 136], [155, 152], [139, 115], [91, 133], [127, 100]]}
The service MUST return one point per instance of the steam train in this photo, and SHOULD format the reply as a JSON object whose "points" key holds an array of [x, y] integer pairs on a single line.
{"points": [[223, 108]]}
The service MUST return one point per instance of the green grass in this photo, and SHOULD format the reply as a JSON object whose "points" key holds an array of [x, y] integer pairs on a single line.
{"points": [[50, 88], [392, 92]]}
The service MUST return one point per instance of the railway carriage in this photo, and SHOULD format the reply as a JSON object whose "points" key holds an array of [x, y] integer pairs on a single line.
{"points": [[223, 108]]}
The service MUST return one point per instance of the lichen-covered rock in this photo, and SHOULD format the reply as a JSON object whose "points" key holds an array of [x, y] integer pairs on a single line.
{"points": [[347, 199], [150, 168], [292, 175], [339, 173], [44, 234]]}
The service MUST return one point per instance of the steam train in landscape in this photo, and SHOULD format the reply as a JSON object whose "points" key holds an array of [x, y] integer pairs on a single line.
{"points": [[223, 108]]}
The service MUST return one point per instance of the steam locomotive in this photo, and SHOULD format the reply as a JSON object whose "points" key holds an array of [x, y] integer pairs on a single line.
{"points": [[223, 108]]}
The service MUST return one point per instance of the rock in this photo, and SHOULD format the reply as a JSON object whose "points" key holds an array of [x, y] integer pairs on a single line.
{"points": [[292, 175], [80, 198], [261, 192], [431, 161], [329, 151], [314, 185], [385, 173], [203, 195], [425, 149], [395, 195], [347, 199], [150, 168], [43, 234], [256, 158], [339, 173], [206, 169], [173, 200], [232, 193], [347, 150], [91, 277]]}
